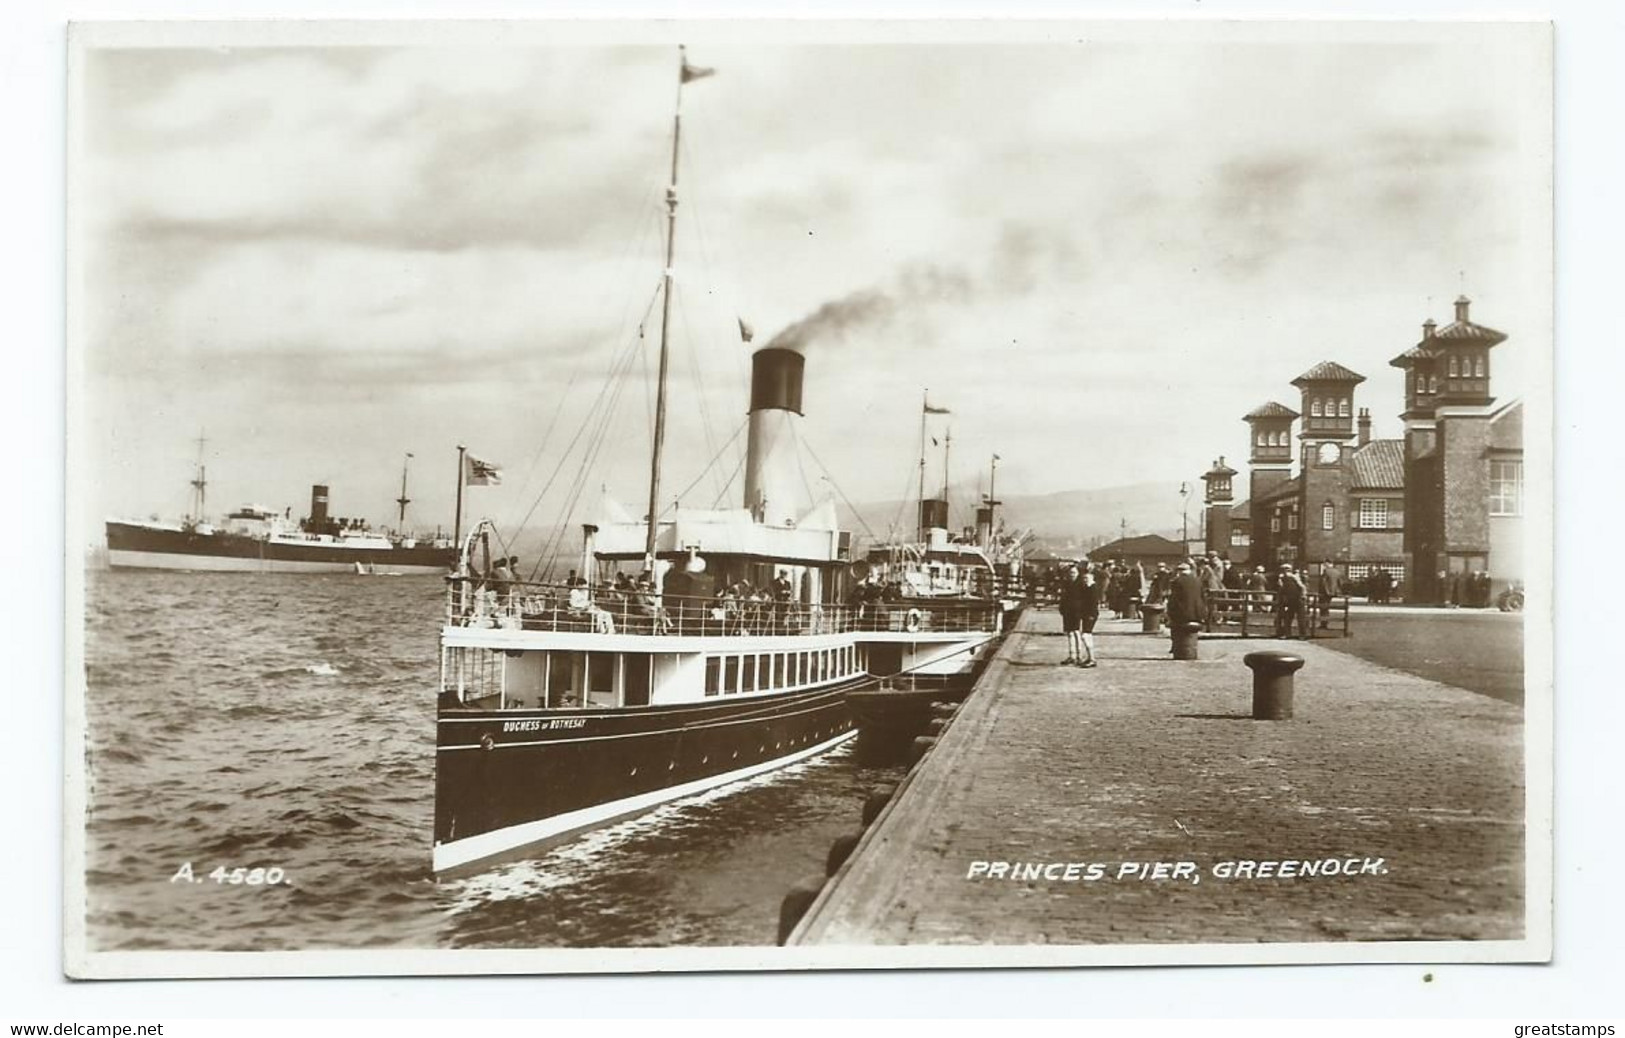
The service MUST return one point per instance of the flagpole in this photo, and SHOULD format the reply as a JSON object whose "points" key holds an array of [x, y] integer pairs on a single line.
{"points": [[925, 404], [665, 326], [457, 530]]}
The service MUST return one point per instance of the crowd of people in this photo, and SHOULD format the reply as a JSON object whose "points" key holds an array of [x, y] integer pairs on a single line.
{"points": [[1192, 590]]}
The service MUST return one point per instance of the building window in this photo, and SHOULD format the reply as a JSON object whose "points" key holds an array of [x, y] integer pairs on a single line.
{"points": [[1328, 516], [1343, 408], [1275, 523], [1433, 383], [1453, 371], [1292, 520], [1506, 488], [1239, 538], [1374, 513], [1314, 407], [1478, 368]]}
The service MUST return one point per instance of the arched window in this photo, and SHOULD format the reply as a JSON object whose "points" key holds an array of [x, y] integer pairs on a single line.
{"points": [[1478, 367], [1433, 383], [1263, 438], [1343, 408], [1453, 371], [1278, 439], [1314, 407]]}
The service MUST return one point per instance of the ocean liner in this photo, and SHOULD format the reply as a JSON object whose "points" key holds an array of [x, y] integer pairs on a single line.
{"points": [[692, 648], [257, 539]]}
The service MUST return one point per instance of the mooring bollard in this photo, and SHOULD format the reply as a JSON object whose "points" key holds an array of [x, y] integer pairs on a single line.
{"points": [[875, 803], [1150, 618], [1134, 608], [1272, 683], [839, 851], [795, 905], [920, 747], [1185, 640]]}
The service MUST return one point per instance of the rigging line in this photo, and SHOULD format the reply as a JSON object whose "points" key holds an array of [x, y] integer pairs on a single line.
{"points": [[636, 235], [716, 457], [699, 220], [724, 492], [598, 424], [858, 515], [596, 444], [586, 422], [806, 484], [703, 247], [700, 393]]}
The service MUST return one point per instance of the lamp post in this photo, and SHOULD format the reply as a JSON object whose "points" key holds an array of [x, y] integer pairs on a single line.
{"points": [[1184, 517]]}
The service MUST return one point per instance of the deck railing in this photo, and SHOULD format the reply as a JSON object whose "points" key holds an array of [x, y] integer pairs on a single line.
{"points": [[534, 606]]}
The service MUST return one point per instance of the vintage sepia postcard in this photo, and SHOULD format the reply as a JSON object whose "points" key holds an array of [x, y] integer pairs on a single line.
{"points": [[578, 496]]}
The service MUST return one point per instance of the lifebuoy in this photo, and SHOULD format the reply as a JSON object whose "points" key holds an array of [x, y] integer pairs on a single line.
{"points": [[912, 623]]}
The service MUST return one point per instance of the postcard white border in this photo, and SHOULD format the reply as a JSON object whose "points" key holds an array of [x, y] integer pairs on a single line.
{"points": [[1538, 721]]}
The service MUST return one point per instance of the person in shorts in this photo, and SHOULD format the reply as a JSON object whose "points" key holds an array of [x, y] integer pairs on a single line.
{"points": [[1071, 599], [1087, 617]]}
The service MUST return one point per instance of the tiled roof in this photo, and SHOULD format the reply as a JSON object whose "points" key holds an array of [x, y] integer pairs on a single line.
{"points": [[1415, 353], [1328, 371], [1219, 471], [1467, 331], [1148, 544], [1271, 410], [1380, 464]]}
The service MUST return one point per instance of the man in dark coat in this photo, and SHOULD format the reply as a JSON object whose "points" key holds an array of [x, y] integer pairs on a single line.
{"points": [[1289, 604], [1329, 587], [1184, 597]]}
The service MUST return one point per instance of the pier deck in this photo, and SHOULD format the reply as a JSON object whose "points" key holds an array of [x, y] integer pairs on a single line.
{"points": [[1144, 759]]}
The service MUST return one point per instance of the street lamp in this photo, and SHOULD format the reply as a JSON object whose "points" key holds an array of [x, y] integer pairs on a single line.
{"points": [[1184, 517]]}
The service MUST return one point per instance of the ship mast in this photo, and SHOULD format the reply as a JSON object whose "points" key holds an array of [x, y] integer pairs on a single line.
{"points": [[200, 482], [683, 75], [403, 500], [919, 507]]}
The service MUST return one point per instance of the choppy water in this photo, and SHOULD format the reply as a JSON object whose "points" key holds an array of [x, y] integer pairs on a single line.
{"points": [[288, 721]]}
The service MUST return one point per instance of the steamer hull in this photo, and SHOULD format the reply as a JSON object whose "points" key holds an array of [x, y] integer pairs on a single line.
{"points": [[513, 783], [138, 546]]}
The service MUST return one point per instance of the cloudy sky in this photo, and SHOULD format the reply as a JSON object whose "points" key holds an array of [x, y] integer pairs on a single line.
{"points": [[1098, 247]]}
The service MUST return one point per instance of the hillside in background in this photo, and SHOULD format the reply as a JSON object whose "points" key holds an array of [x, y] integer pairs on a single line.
{"points": [[1069, 520]]}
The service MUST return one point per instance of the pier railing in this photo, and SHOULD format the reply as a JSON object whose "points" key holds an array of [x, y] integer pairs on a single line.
{"points": [[1252, 614], [582, 608]]}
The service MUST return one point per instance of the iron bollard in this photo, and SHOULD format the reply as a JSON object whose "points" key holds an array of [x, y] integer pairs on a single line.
{"points": [[839, 851], [1150, 618], [875, 803], [1134, 608], [1272, 683], [1185, 640], [795, 905]]}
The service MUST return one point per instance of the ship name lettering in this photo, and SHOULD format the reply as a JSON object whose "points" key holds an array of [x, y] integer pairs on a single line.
{"points": [[568, 722], [522, 726]]}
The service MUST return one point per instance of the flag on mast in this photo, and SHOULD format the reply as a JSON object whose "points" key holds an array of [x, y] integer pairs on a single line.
{"points": [[477, 473], [746, 332], [934, 410], [693, 72]]}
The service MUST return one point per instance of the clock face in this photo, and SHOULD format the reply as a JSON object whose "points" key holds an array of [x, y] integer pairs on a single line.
{"points": [[1329, 453]]}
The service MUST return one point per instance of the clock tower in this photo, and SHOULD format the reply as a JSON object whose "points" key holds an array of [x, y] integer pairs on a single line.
{"points": [[1327, 459]]}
